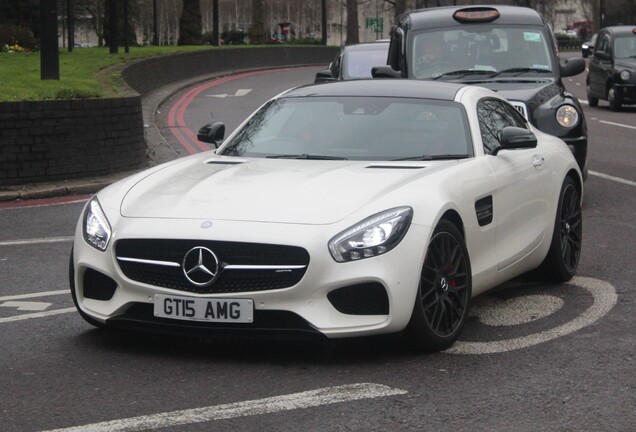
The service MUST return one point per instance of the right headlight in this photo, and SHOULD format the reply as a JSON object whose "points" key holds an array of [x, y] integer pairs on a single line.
{"points": [[373, 236], [96, 228], [625, 75], [567, 116]]}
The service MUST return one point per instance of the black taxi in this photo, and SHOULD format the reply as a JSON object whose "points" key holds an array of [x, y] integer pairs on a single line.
{"points": [[612, 70], [508, 49]]}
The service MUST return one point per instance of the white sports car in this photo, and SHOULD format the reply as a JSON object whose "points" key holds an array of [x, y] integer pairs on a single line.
{"points": [[340, 209]]}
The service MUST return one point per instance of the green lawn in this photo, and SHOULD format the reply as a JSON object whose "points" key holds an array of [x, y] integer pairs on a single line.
{"points": [[84, 73]]}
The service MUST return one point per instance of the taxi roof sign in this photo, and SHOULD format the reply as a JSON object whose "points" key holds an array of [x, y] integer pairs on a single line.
{"points": [[477, 14]]}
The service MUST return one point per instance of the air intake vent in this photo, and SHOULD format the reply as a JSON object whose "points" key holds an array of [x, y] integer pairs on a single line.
{"points": [[521, 107], [395, 167], [223, 162]]}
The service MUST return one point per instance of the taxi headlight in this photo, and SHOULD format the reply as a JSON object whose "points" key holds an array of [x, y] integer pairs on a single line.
{"points": [[96, 228], [567, 116], [625, 75], [373, 236]]}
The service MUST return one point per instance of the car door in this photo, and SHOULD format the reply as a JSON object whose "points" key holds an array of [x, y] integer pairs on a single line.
{"points": [[599, 67], [520, 205]]}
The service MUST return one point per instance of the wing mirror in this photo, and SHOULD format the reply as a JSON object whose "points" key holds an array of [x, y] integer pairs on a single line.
{"points": [[324, 76], [212, 133], [572, 66], [512, 138], [385, 72]]}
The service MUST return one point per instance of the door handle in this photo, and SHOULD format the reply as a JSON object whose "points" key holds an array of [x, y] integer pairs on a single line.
{"points": [[537, 161]]}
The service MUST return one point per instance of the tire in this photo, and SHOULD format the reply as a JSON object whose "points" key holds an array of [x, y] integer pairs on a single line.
{"points": [[613, 99], [71, 279], [591, 100], [444, 292], [565, 248]]}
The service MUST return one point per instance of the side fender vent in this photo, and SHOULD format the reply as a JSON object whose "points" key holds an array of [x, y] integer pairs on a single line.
{"points": [[484, 210]]}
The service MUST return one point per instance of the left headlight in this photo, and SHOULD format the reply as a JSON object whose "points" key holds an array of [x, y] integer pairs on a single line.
{"points": [[96, 228], [625, 75], [567, 116], [373, 236]]}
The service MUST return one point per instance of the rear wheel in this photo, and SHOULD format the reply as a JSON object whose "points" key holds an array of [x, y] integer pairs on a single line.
{"points": [[565, 250], [442, 301], [591, 100]]}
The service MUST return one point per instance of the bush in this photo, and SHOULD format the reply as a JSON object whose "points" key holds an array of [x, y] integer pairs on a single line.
{"points": [[304, 41], [233, 37], [13, 36]]}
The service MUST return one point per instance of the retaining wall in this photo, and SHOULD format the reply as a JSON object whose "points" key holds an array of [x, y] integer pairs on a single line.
{"points": [[43, 141]]}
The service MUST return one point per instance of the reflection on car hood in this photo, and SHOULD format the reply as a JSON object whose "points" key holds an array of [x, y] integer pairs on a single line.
{"points": [[626, 63], [267, 190]]}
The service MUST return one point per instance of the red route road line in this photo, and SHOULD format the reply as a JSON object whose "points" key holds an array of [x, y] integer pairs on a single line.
{"points": [[176, 114], [44, 202]]}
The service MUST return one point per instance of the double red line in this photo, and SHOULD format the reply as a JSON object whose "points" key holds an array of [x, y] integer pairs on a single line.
{"points": [[176, 122]]}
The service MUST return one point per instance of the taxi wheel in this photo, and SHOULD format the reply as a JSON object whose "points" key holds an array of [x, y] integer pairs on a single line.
{"points": [[613, 99], [591, 100], [442, 300]]}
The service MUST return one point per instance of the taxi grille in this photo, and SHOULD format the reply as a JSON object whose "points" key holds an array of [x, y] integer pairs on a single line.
{"points": [[243, 266]]}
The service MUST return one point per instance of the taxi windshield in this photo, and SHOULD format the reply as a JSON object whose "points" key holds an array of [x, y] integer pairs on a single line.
{"points": [[460, 52], [625, 47]]}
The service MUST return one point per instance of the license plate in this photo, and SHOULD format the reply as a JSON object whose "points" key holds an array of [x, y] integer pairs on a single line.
{"points": [[204, 309]]}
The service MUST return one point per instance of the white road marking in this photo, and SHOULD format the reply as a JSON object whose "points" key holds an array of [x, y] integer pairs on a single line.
{"points": [[520, 310], [34, 295], [302, 400], [26, 305], [617, 124], [604, 296], [37, 315], [34, 241], [12, 298], [238, 93], [612, 178]]}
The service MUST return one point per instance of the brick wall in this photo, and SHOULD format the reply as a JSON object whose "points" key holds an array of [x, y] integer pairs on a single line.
{"points": [[67, 139]]}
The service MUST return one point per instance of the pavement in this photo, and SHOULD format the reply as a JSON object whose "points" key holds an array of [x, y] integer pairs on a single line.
{"points": [[159, 151]]}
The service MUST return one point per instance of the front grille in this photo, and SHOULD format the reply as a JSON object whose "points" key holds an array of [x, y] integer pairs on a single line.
{"points": [[158, 262]]}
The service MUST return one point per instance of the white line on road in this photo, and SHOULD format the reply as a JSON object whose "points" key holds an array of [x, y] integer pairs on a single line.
{"points": [[307, 399], [612, 178], [604, 296], [34, 295], [617, 124], [37, 315], [36, 241]]}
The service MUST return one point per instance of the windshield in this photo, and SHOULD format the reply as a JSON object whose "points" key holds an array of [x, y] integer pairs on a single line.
{"points": [[455, 52], [359, 63], [359, 128], [625, 47]]}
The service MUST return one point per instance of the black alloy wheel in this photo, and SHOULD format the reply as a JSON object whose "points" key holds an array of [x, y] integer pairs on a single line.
{"points": [[565, 250], [442, 301], [591, 100], [614, 99]]}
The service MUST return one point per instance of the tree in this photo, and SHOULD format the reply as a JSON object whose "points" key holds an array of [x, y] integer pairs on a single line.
{"points": [[353, 34], [257, 30], [23, 13], [190, 31]]}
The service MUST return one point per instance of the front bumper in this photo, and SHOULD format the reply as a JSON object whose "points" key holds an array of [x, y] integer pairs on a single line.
{"points": [[327, 301], [626, 93]]}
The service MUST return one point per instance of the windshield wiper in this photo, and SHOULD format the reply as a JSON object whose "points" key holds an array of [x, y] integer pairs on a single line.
{"points": [[465, 72], [435, 157], [305, 156], [520, 70]]}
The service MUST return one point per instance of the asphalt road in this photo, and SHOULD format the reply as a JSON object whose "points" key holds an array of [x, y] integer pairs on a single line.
{"points": [[532, 357]]}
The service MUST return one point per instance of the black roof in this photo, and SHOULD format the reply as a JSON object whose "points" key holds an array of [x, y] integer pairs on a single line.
{"points": [[443, 16], [620, 30], [381, 87]]}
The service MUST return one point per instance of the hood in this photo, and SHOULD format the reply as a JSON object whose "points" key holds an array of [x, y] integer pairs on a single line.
{"points": [[267, 190], [629, 64], [530, 92]]}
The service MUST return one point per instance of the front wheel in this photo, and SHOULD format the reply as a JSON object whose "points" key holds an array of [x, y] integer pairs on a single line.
{"points": [[565, 249], [614, 99], [442, 300]]}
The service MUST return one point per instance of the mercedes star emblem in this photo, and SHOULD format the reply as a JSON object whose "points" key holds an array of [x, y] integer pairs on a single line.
{"points": [[200, 266]]}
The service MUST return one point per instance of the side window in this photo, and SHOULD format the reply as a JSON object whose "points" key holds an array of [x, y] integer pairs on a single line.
{"points": [[335, 66], [494, 115], [603, 44]]}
